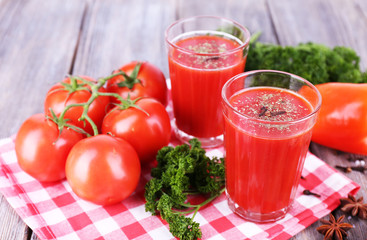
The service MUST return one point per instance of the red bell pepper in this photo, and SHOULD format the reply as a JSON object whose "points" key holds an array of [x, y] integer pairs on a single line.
{"points": [[342, 122]]}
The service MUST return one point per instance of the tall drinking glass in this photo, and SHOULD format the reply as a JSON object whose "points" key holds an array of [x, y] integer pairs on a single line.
{"points": [[269, 116], [203, 53]]}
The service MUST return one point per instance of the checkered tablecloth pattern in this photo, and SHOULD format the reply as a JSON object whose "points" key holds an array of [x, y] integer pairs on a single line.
{"points": [[53, 211]]}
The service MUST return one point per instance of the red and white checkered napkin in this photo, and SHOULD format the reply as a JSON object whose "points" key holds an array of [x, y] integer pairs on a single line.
{"points": [[54, 212]]}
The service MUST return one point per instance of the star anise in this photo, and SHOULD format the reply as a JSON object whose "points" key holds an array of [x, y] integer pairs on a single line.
{"points": [[334, 229], [354, 207]]}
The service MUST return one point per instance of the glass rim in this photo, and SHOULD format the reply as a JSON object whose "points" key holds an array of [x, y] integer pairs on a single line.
{"points": [[253, 72], [186, 51]]}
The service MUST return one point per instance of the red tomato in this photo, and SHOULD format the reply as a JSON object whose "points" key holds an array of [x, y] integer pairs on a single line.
{"points": [[40, 151], [152, 83], [103, 169], [147, 129], [58, 98]]}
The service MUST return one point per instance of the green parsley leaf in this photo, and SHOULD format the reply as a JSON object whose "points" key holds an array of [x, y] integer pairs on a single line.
{"points": [[183, 171], [314, 62]]}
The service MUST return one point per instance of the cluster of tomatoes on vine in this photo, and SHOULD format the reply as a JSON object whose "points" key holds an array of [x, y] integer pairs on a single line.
{"points": [[98, 134]]}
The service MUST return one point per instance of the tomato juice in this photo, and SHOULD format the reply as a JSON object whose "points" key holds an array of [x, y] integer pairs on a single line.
{"points": [[200, 63], [267, 134]]}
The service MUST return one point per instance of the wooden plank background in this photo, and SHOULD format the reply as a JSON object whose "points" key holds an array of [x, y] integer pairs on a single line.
{"points": [[43, 41]]}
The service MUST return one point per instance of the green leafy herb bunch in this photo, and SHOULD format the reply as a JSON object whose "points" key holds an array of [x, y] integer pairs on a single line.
{"points": [[182, 172]]}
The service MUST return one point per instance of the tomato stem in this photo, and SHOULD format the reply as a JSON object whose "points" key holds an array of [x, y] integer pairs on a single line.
{"points": [[94, 89], [194, 208], [61, 123], [131, 80], [73, 82], [62, 114]]}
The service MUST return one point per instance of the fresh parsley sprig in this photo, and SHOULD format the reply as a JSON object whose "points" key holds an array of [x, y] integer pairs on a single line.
{"points": [[183, 171], [315, 62]]}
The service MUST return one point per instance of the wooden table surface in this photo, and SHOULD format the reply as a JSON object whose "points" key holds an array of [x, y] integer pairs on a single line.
{"points": [[43, 41]]}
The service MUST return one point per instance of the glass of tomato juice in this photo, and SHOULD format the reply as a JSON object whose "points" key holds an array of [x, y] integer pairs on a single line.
{"points": [[268, 119], [203, 53]]}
